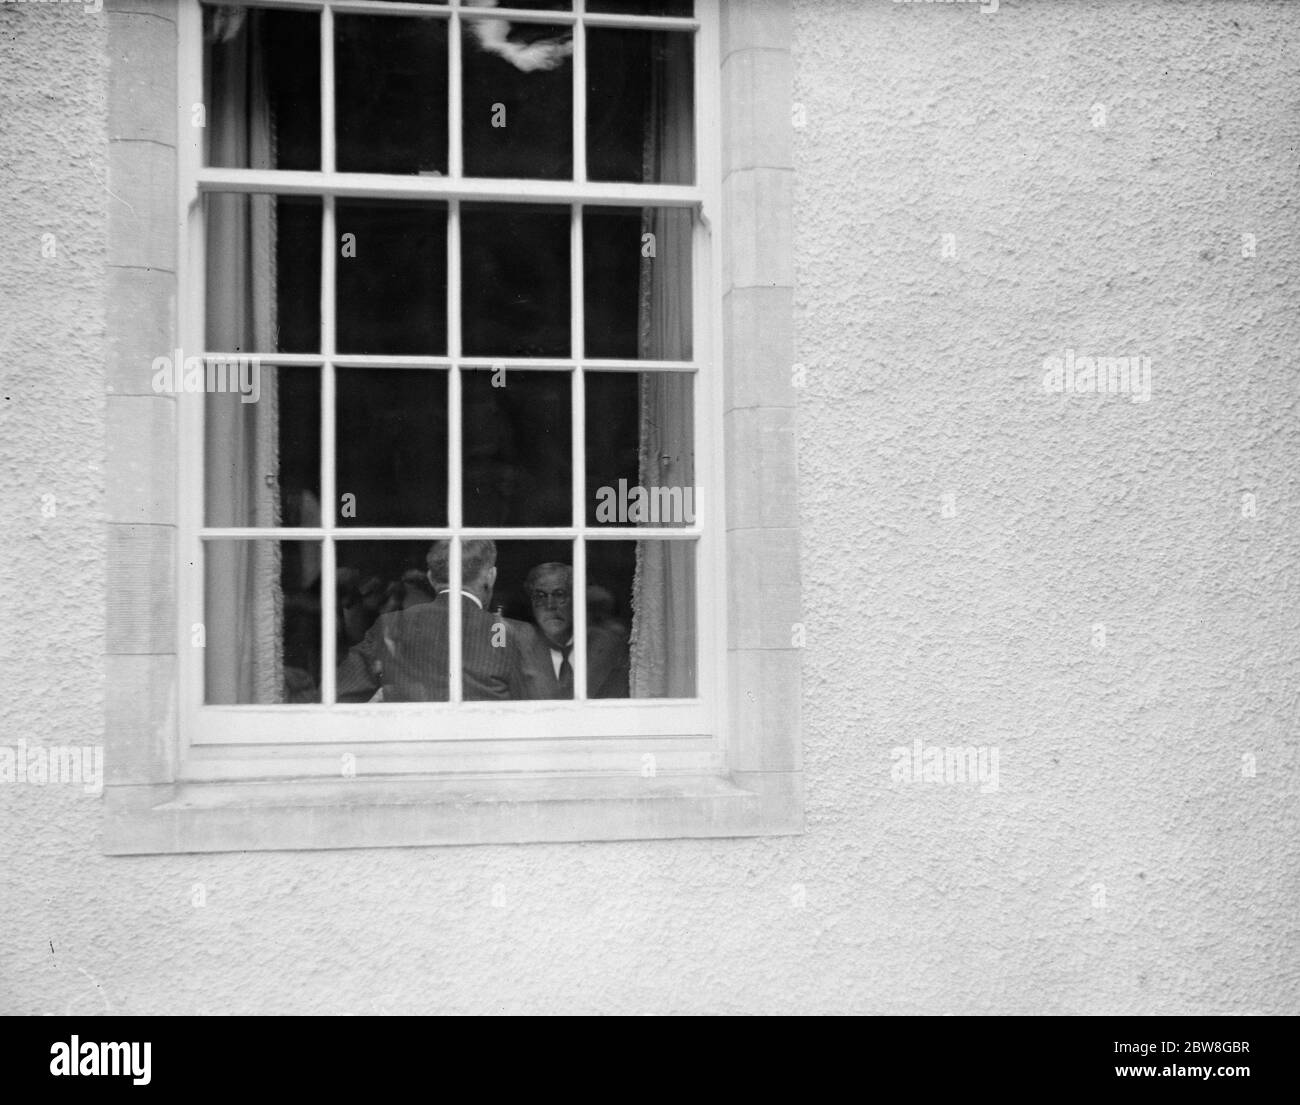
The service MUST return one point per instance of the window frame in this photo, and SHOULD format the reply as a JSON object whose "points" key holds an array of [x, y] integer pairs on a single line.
{"points": [[736, 775]]}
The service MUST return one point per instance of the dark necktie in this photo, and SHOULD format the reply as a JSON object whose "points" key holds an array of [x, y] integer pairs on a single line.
{"points": [[566, 672]]}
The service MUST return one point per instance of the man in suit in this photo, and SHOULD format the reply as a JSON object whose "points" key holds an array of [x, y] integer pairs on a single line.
{"points": [[406, 656], [543, 651]]}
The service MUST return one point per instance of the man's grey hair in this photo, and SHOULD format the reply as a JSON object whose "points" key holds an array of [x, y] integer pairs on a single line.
{"points": [[549, 568], [477, 555]]}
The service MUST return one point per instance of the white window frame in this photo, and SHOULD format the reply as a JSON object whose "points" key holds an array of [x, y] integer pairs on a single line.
{"points": [[402, 737]]}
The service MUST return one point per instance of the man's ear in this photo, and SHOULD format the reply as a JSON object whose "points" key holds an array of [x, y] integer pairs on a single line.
{"points": [[491, 577]]}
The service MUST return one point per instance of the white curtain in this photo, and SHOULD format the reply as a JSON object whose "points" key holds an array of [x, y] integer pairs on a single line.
{"points": [[663, 648], [244, 616]]}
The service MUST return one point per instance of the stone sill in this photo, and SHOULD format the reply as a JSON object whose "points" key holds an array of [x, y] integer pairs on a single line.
{"points": [[381, 813]]}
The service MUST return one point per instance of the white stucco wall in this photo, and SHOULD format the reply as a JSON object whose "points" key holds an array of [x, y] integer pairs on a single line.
{"points": [[1120, 766]]}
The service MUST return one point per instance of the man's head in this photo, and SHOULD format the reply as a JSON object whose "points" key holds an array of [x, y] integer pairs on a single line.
{"points": [[478, 567], [550, 589]]}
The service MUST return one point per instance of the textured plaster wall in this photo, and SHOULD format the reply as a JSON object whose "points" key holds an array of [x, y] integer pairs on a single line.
{"points": [[1120, 766]]}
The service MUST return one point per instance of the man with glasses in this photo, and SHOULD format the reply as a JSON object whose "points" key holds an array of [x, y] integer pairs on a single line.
{"points": [[543, 650]]}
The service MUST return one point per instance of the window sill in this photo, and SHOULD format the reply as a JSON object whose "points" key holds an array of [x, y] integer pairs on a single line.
{"points": [[377, 813]]}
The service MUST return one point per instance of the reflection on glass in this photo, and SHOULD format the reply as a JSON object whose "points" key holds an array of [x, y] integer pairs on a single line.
{"points": [[641, 106], [637, 282], [263, 272], [261, 622], [639, 449], [393, 622], [518, 99], [392, 277], [261, 81], [391, 94], [644, 592], [515, 291], [391, 436], [517, 436], [261, 450]]}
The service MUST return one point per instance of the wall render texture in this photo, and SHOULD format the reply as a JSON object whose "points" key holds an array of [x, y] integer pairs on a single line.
{"points": [[1119, 766]]}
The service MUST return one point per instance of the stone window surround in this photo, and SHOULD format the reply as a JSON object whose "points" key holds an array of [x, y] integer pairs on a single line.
{"points": [[757, 791]]}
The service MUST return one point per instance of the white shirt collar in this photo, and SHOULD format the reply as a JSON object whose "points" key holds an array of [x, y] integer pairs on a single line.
{"points": [[466, 594], [557, 655]]}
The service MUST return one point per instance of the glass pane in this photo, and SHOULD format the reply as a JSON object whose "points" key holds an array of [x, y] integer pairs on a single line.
{"points": [[643, 7], [643, 593], [391, 437], [391, 94], [263, 272], [261, 629], [640, 449], [392, 277], [534, 601], [522, 5], [261, 87], [392, 629], [515, 287], [518, 99], [261, 444], [517, 441], [637, 282], [506, 640], [640, 106]]}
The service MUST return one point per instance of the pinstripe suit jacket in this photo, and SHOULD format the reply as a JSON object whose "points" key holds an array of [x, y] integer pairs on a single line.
{"points": [[406, 652]]}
